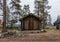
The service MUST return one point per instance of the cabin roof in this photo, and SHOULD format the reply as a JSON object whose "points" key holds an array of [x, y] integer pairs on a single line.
{"points": [[57, 21], [30, 15]]}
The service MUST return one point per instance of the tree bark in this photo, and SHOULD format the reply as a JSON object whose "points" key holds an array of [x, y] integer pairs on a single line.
{"points": [[4, 16]]}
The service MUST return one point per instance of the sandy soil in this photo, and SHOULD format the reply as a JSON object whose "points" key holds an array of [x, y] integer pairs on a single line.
{"points": [[49, 36]]}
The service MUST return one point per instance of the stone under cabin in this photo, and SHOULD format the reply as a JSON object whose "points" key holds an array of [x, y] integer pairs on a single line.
{"points": [[30, 22]]}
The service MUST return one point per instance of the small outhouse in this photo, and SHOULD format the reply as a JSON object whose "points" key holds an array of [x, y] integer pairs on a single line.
{"points": [[30, 22], [57, 23]]}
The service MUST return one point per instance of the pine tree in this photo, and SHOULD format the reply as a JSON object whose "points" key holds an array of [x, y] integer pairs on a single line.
{"points": [[49, 20], [41, 10], [16, 11], [7, 15], [0, 4], [16, 8], [26, 10]]}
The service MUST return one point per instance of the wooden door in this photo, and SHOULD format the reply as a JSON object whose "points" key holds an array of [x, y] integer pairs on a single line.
{"points": [[31, 24], [35, 25], [26, 25]]}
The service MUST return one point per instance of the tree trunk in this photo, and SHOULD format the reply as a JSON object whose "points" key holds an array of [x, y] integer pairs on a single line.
{"points": [[4, 16]]}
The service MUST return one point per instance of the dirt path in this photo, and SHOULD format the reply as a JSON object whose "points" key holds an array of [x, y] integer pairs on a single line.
{"points": [[49, 36]]}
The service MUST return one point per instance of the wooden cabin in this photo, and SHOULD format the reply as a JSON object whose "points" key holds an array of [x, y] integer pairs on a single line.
{"points": [[57, 23], [30, 22]]}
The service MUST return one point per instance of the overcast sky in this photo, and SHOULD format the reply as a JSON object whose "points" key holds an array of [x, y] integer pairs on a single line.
{"points": [[54, 11]]}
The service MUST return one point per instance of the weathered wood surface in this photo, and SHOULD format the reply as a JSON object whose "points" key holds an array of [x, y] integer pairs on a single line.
{"points": [[30, 23]]}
